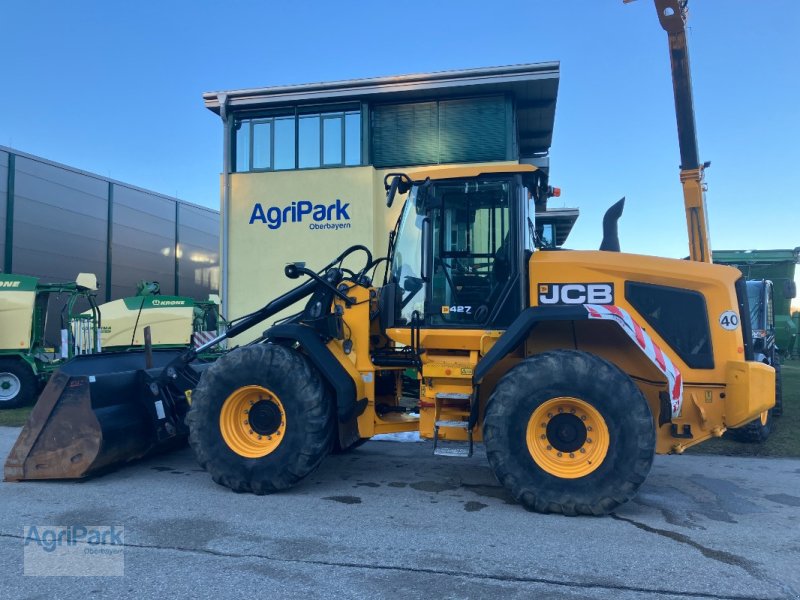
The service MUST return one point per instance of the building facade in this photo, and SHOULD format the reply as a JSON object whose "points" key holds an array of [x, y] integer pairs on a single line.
{"points": [[57, 221], [304, 165]]}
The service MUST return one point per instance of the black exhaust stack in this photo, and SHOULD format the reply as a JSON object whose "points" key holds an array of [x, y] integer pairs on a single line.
{"points": [[610, 241]]}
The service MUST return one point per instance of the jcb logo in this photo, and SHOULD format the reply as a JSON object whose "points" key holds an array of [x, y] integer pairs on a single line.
{"points": [[9, 284], [576, 293]]}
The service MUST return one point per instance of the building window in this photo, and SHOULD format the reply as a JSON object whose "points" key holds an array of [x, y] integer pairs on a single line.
{"points": [[445, 131], [262, 145], [308, 141], [284, 143], [332, 140]]}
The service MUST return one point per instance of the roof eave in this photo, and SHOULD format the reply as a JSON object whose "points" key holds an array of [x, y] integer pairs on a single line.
{"points": [[359, 88]]}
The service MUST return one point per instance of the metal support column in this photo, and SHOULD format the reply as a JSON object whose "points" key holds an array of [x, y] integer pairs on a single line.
{"points": [[109, 239], [177, 248], [12, 167], [226, 198]]}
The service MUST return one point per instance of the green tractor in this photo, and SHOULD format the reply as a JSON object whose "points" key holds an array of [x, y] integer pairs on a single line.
{"points": [[26, 357]]}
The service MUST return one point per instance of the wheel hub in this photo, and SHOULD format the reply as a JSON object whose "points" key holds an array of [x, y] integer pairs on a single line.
{"points": [[567, 437], [566, 432], [252, 421], [10, 386], [264, 417]]}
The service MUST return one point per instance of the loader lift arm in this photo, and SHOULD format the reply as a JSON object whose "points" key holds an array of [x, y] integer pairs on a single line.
{"points": [[672, 16]]}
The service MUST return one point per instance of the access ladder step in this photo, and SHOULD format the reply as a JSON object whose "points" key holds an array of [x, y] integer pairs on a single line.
{"points": [[459, 424], [451, 448], [453, 396], [461, 451]]}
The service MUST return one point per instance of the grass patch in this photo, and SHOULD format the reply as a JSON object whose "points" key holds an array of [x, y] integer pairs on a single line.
{"points": [[15, 417], [784, 441]]}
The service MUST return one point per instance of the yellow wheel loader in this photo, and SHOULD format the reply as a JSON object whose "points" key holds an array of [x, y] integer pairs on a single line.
{"points": [[572, 367]]}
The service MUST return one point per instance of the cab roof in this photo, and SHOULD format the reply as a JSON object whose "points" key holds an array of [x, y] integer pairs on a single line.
{"points": [[466, 172]]}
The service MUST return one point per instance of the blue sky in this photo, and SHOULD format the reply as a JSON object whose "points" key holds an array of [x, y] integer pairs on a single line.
{"points": [[115, 88]]}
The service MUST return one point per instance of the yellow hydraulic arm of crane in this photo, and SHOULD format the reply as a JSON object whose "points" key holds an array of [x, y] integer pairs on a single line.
{"points": [[672, 16]]}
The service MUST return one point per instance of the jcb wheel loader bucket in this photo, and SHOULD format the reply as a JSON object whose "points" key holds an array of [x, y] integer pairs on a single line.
{"points": [[97, 411]]}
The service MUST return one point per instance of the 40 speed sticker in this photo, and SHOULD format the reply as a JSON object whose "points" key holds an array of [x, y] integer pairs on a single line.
{"points": [[729, 320]]}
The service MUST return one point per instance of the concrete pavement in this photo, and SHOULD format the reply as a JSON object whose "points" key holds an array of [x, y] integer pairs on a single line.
{"points": [[389, 519]]}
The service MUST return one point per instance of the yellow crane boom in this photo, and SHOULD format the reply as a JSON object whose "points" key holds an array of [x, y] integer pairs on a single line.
{"points": [[672, 16]]}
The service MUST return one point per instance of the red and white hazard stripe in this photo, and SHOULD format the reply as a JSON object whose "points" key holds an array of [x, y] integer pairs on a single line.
{"points": [[648, 346], [202, 337]]}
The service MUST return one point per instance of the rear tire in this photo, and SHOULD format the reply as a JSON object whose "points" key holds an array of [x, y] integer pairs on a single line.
{"points": [[777, 411], [755, 432], [758, 430], [305, 429], [598, 390], [18, 385]]}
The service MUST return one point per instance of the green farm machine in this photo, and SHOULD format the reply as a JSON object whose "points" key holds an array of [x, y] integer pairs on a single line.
{"points": [[26, 358], [777, 266], [770, 290]]}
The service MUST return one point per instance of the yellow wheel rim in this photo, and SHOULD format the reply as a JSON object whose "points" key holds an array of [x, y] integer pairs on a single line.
{"points": [[252, 421], [567, 437], [764, 416]]}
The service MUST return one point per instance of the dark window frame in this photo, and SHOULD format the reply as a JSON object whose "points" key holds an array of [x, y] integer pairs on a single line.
{"points": [[693, 361]]}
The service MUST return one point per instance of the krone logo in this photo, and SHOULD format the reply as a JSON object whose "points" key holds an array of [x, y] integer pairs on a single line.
{"points": [[169, 302]]}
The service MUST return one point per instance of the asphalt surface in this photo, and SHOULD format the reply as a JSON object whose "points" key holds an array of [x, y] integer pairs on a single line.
{"points": [[389, 519]]}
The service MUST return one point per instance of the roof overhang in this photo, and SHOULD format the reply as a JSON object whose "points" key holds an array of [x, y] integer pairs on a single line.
{"points": [[533, 86], [562, 220]]}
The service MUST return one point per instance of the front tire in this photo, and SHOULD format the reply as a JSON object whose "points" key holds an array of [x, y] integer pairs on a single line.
{"points": [[568, 432], [18, 384], [260, 420]]}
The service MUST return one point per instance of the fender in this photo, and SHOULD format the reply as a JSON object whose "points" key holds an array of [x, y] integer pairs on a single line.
{"points": [[529, 318], [329, 368]]}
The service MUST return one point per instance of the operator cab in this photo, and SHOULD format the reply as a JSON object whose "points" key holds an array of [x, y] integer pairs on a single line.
{"points": [[461, 247]]}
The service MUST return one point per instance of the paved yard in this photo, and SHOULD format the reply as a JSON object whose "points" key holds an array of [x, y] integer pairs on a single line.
{"points": [[389, 519]]}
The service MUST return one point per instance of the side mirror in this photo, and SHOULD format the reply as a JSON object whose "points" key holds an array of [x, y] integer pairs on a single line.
{"points": [[789, 289], [392, 192], [399, 182], [388, 305], [412, 284]]}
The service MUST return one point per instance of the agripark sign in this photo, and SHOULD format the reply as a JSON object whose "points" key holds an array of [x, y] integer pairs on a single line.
{"points": [[333, 216]]}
